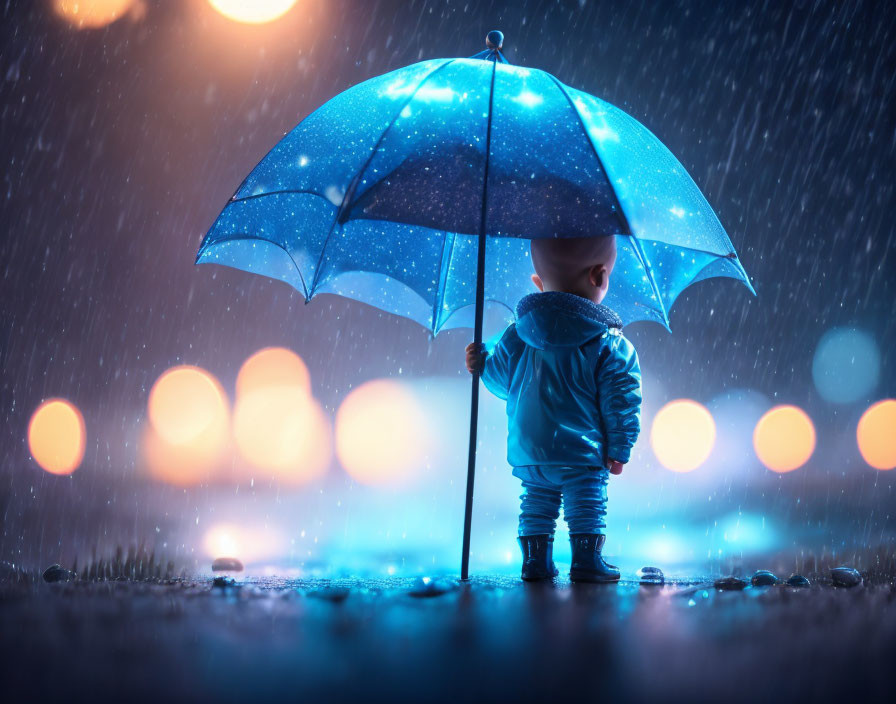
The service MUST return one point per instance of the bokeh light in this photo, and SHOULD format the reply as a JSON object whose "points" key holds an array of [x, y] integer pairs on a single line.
{"points": [[222, 541], [184, 465], [247, 543], [784, 438], [57, 436], [284, 431], [189, 426], [381, 433], [744, 533], [253, 11], [682, 435], [846, 365], [186, 403], [91, 14], [273, 367], [876, 434], [735, 412]]}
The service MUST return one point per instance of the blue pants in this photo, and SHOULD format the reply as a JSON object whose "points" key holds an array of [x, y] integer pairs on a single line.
{"points": [[581, 490]]}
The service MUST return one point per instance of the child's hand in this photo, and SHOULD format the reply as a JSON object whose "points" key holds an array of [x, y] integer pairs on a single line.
{"points": [[476, 358], [615, 467]]}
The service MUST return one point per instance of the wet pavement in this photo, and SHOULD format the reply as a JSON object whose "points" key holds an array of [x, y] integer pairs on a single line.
{"points": [[493, 639]]}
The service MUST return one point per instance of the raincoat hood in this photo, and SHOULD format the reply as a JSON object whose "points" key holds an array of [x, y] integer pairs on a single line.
{"points": [[554, 319]]}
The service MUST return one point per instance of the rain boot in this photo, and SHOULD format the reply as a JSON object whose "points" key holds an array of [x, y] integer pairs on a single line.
{"points": [[587, 563], [538, 562]]}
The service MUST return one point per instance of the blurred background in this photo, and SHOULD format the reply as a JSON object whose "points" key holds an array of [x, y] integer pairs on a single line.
{"points": [[203, 412]]}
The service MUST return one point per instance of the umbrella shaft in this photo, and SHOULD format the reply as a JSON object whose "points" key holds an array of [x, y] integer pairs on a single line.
{"points": [[477, 337], [474, 403], [471, 471]]}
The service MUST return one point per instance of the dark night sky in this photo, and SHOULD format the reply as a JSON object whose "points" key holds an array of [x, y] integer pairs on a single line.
{"points": [[121, 145]]}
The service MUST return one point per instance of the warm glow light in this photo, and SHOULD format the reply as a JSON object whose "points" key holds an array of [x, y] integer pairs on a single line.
{"points": [[223, 541], [273, 367], [283, 430], [90, 14], [876, 434], [252, 11], [784, 438], [189, 422], [183, 465], [682, 435], [57, 436], [381, 433], [186, 403], [246, 543], [277, 425]]}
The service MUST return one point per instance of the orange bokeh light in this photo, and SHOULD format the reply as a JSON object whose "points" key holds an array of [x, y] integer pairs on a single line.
{"points": [[91, 14], [185, 404], [284, 431], [273, 367], [784, 438], [682, 435], [253, 11], [189, 423], [57, 436], [876, 434], [381, 433], [188, 464]]}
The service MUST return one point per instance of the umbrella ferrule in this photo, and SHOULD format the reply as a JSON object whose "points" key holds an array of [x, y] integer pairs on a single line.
{"points": [[494, 41]]}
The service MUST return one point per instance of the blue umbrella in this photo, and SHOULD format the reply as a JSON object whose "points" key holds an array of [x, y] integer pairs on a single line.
{"points": [[418, 191]]}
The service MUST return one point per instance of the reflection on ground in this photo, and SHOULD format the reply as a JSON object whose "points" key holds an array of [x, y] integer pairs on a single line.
{"points": [[437, 639]]}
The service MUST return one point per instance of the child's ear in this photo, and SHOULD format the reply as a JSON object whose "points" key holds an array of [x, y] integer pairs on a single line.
{"points": [[536, 279], [599, 276]]}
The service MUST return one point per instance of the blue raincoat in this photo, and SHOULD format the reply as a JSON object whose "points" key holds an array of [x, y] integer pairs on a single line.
{"points": [[571, 381]]}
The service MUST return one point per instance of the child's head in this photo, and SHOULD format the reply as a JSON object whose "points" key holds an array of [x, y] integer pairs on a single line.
{"points": [[578, 265]]}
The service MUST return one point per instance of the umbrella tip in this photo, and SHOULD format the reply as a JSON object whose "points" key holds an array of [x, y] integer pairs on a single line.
{"points": [[494, 39]]}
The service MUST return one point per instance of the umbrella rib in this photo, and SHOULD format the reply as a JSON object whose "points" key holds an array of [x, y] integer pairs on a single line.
{"points": [[731, 255], [444, 268], [248, 237], [639, 251], [285, 191], [619, 209], [745, 280], [487, 300], [350, 191]]}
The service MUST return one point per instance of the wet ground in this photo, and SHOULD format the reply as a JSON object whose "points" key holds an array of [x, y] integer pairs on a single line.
{"points": [[402, 639]]}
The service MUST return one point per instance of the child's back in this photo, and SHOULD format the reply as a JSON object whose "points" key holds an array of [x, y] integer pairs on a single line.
{"points": [[571, 381], [573, 389]]}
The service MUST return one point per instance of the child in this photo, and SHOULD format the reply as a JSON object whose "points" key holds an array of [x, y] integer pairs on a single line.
{"points": [[573, 391]]}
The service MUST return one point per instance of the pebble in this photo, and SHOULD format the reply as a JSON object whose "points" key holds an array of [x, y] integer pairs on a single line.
{"points": [[846, 577], [56, 573], [651, 575], [797, 580], [730, 583], [763, 578], [428, 587], [227, 564]]}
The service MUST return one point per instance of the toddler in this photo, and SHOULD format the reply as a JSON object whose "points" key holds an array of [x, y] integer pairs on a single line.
{"points": [[573, 389]]}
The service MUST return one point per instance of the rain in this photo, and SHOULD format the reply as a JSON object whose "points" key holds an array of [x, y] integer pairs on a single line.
{"points": [[158, 416]]}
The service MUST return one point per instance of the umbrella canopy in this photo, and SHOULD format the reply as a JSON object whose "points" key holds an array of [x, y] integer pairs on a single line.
{"points": [[380, 195]]}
